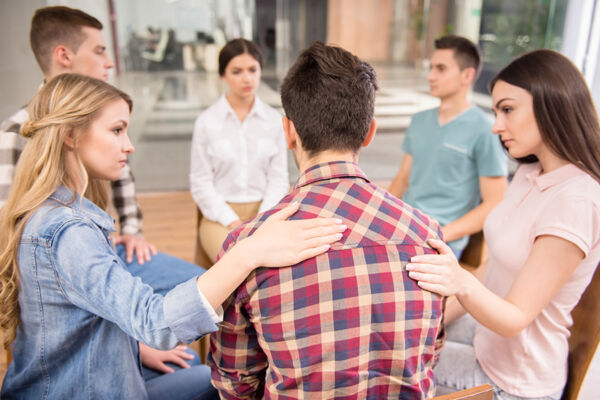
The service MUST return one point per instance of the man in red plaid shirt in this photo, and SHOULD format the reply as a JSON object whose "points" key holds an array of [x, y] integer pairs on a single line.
{"points": [[350, 323]]}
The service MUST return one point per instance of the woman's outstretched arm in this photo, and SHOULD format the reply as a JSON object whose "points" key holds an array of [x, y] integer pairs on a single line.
{"points": [[277, 243], [550, 264]]}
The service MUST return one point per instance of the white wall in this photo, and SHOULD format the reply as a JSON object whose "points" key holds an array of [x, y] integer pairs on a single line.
{"points": [[19, 73]]}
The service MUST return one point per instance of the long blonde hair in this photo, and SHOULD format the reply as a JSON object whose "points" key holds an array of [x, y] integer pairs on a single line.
{"points": [[68, 102]]}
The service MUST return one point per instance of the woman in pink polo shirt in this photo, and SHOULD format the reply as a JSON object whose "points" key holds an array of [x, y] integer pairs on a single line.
{"points": [[544, 238]]}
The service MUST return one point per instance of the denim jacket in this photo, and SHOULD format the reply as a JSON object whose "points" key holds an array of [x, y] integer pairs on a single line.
{"points": [[82, 312]]}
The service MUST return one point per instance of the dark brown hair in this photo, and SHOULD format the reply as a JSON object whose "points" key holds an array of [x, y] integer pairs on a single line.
{"points": [[466, 53], [236, 47], [329, 95], [562, 105], [53, 26]]}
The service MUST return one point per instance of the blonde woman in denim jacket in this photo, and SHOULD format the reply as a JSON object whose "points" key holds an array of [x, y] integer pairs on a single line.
{"points": [[66, 299]]}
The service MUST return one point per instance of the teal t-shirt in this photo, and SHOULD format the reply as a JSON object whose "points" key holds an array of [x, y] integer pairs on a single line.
{"points": [[448, 161]]}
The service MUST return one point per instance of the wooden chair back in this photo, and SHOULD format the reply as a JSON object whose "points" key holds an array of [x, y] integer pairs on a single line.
{"points": [[585, 337], [475, 252], [200, 256], [483, 392]]}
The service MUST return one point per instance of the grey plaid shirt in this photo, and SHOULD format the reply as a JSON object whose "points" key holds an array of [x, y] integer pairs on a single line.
{"points": [[123, 190]]}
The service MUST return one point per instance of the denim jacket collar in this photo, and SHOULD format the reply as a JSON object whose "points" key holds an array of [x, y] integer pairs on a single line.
{"points": [[64, 196]]}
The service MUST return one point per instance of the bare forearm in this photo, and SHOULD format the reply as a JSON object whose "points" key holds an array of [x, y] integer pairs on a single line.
{"points": [[398, 186], [492, 311], [226, 275], [468, 224]]}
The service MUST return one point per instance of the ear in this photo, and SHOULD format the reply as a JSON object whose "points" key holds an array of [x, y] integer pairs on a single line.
{"points": [[468, 75], [370, 133], [291, 136], [63, 57], [69, 138]]}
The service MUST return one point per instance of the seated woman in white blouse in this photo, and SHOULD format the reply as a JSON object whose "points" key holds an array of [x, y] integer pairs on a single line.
{"points": [[239, 158]]}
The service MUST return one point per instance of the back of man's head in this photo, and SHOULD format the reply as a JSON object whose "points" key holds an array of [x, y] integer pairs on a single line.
{"points": [[466, 53], [53, 26], [329, 95]]}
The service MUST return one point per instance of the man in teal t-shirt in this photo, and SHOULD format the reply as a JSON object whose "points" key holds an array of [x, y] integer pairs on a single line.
{"points": [[454, 168]]}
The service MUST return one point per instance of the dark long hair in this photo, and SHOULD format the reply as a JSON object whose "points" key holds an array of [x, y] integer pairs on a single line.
{"points": [[562, 105]]}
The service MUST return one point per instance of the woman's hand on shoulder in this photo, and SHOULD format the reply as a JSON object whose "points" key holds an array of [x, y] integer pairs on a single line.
{"points": [[278, 242], [440, 273]]}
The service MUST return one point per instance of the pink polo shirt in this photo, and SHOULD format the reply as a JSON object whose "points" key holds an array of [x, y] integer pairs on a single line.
{"points": [[563, 203]]}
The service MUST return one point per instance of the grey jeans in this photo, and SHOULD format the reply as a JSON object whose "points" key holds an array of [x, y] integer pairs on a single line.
{"points": [[458, 368]]}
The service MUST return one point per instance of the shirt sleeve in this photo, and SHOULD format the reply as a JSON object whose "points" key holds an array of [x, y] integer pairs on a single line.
{"points": [[489, 156], [211, 203], [128, 210], [100, 284], [11, 146], [573, 218], [278, 182], [236, 358]]}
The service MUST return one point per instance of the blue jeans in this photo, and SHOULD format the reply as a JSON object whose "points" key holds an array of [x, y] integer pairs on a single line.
{"points": [[163, 272], [181, 384], [458, 368]]}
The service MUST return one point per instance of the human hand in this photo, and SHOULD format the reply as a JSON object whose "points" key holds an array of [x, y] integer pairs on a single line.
{"points": [[234, 224], [280, 243], [143, 249], [156, 359], [439, 273]]}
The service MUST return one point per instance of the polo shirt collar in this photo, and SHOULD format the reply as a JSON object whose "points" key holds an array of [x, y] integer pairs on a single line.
{"points": [[553, 178], [330, 170], [64, 195], [225, 109]]}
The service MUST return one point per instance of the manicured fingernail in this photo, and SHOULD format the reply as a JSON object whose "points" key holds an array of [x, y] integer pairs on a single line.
{"points": [[338, 221], [342, 227], [409, 267], [294, 202], [338, 236]]}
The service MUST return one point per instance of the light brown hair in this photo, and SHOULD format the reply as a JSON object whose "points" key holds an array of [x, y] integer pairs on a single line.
{"points": [[53, 26], [67, 102]]}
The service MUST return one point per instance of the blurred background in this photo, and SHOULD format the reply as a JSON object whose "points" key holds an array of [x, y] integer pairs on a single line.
{"points": [[166, 58]]}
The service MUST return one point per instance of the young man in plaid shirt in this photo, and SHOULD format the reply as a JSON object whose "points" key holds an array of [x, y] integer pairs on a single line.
{"points": [[350, 323]]}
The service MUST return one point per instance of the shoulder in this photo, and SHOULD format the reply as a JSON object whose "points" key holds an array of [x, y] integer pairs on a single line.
{"points": [[480, 122], [212, 115], [14, 122], [426, 115]]}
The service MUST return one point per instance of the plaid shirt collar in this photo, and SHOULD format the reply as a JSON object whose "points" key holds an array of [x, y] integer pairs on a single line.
{"points": [[328, 171]]}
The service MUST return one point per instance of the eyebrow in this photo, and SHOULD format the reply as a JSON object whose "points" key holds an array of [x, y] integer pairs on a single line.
{"points": [[122, 121], [501, 100]]}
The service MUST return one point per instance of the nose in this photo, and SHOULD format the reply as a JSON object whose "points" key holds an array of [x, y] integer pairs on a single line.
{"points": [[430, 75], [108, 62], [127, 146], [498, 126]]}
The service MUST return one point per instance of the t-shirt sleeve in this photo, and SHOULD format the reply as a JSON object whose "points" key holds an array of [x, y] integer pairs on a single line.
{"points": [[489, 156], [573, 218]]}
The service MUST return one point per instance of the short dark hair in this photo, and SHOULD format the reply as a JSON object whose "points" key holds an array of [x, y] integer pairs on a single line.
{"points": [[562, 106], [329, 95], [234, 48], [53, 26], [466, 53]]}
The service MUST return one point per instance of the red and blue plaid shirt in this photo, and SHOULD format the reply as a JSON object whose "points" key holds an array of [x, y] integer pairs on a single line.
{"points": [[348, 324]]}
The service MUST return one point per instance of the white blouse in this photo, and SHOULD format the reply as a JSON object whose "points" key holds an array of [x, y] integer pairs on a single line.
{"points": [[237, 162]]}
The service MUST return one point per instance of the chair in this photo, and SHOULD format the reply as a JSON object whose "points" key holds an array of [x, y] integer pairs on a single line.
{"points": [[475, 252], [585, 337], [200, 256], [483, 392]]}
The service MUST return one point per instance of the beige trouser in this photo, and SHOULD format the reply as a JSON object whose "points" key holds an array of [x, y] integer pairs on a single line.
{"points": [[213, 234]]}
